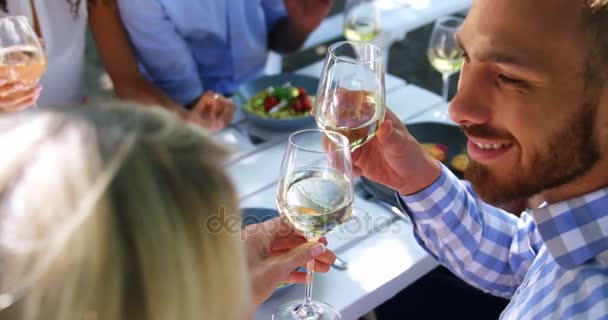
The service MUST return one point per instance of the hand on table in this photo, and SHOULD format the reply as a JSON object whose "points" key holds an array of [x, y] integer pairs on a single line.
{"points": [[212, 111], [16, 96], [394, 158], [274, 250], [307, 14]]}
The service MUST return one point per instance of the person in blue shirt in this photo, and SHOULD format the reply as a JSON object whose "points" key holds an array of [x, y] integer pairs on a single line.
{"points": [[189, 47], [533, 102]]}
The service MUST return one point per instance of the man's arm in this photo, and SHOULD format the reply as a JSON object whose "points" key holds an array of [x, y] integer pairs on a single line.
{"points": [[119, 58], [162, 51], [303, 17], [484, 245]]}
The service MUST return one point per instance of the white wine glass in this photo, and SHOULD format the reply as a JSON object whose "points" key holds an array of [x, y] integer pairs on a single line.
{"points": [[361, 20], [351, 92], [444, 53], [22, 58], [316, 194]]}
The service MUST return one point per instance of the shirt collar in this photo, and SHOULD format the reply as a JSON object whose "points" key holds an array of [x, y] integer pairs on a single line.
{"points": [[575, 230]]}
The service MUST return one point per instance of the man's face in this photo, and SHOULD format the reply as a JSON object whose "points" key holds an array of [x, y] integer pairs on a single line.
{"points": [[522, 99]]}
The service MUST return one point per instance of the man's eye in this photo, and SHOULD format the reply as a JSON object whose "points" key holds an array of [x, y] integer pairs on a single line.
{"points": [[511, 80]]}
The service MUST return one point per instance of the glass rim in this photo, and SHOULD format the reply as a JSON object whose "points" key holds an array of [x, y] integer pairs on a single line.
{"points": [[22, 22], [335, 45], [327, 133], [441, 20]]}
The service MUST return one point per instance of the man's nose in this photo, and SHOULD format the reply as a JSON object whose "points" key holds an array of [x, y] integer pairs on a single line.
{"points": [[471, 104]]}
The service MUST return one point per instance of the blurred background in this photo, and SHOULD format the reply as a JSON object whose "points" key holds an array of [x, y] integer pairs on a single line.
{"points": [[408, 60]]}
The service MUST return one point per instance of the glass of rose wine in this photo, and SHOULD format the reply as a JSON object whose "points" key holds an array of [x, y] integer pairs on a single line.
{"points": [[351, 93], [22, 58], [315, 192]]}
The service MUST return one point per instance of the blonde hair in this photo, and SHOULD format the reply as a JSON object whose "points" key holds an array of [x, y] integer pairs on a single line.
{"points": [[102, 215]]}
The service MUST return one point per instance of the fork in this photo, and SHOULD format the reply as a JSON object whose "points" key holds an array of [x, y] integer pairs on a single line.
{"points": [[254, 139], [364, 193], [340, 264]]}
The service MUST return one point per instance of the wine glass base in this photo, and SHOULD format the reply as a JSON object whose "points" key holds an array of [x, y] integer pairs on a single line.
{"points": [[295, 310]]}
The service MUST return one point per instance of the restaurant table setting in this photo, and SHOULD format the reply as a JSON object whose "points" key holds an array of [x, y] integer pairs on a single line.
{"points": [[378, 255]]}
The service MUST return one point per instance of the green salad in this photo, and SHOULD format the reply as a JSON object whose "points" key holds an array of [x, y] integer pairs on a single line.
{"points": [[280, 102]]}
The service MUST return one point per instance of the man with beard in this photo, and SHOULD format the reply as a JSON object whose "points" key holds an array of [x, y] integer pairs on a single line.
{"points": [[533, 102]]}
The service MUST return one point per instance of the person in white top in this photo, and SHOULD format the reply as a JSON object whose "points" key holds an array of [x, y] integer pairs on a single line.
{"points": [[62, 26]]}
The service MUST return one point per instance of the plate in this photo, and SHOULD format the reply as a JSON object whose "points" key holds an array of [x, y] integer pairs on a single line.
{"points": [[250, 89], [448, 135], [257, 215]]}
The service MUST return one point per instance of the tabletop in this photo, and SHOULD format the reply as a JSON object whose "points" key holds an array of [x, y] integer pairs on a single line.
{"points": [[381, 251], [398, 17]]}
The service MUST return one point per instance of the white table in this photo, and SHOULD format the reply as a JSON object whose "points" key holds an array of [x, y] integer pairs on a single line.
{"points": [[398, 17], [383, 258]]}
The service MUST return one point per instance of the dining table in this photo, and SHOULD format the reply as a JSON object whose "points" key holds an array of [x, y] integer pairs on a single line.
{"points": [[382, 254], [398, 17]]}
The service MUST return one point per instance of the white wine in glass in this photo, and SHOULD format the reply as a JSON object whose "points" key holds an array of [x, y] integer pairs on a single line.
{"points": [[316, 200], [316, 193], [22, 63], [22, 58], [351, 93], [448, 62], [444, 53], [361, 20]]}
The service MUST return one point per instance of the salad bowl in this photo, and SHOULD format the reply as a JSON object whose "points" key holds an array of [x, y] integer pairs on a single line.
{"points": [[279, 102]]}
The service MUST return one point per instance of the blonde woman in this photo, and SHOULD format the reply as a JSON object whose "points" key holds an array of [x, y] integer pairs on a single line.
{"points": [[103, 215]]}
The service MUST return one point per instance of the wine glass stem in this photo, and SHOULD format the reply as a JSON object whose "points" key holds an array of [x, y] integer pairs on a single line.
{"points": [[446, 86], [310, 266]]}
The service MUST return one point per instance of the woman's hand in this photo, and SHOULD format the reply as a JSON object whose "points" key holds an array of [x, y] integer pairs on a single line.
{"points": [[275, 250], [16, 96]]}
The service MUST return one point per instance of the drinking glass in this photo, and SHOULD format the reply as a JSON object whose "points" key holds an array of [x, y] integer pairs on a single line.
{"points": [[22, 57], [316, 194], [361, 20], [444, 53], [351, 93]]}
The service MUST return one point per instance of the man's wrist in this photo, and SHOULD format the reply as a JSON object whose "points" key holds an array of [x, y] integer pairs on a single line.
{"points": [[425, 174]]}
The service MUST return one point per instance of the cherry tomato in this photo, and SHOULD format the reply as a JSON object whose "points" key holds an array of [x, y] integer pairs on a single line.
{"points": [[270, 102]]}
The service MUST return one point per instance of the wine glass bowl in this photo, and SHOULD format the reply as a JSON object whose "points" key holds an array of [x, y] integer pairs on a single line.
{"points": [[22, 58], [316, 193], [444, 53], [361, 20], [351, 93]]}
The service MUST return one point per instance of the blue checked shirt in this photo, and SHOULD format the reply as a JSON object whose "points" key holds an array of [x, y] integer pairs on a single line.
{"points": [[552, 263]]}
